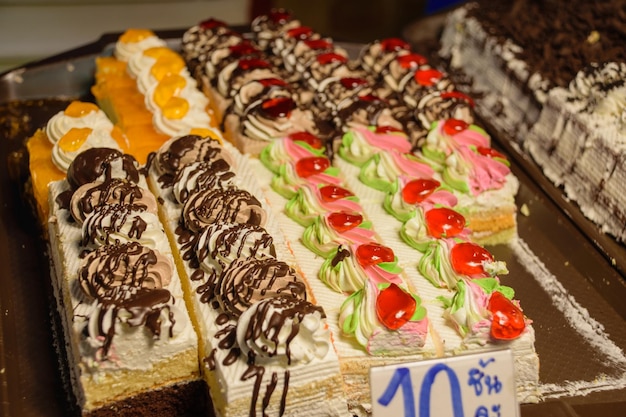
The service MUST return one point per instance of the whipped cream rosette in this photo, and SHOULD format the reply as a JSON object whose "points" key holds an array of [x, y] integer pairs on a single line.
{"points": [[289, 148], [383, 168], [283, 328], [376, 55], [179, 152], [361, 143], [483, 310], [269, 26], [401, 67], [129, 264], [308, 170], [219, 244], [102, 164], [133, 41], [332, 228], [119, 191], [196, 176], [407, 195], [312, 199], [464, 156], [385, 319]]}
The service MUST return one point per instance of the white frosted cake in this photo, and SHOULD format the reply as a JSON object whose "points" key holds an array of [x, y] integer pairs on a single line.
{"points": [[127, 330]]}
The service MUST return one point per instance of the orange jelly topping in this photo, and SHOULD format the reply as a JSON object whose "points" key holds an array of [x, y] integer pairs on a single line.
{"points": [[135, 35]]}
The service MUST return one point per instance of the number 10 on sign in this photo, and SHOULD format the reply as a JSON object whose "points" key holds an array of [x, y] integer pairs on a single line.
{"points": [[473, 385]]}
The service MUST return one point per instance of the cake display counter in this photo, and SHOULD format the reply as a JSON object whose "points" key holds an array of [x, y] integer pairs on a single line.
{"points": [[570, 280]]}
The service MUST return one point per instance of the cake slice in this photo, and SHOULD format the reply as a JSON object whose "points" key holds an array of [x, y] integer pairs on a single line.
{"points": [[265, 343], [129, 339], [579, 142]]}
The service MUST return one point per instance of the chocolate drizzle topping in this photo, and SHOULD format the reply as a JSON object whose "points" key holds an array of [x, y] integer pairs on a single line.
{"points": [[97, 164]]}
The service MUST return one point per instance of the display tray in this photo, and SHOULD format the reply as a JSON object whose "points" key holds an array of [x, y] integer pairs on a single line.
{"points": [[567, 284]]}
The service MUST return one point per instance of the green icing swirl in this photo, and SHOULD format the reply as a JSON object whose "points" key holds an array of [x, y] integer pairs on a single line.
{"points": [[379, 172], [340, 273], [355, 149]]}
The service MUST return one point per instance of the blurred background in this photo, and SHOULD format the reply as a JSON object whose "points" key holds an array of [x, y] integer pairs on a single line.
{"points": [[33, 29]]}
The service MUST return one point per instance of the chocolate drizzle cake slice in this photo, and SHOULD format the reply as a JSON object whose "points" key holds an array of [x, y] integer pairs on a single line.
{"points": [[127, 330]]}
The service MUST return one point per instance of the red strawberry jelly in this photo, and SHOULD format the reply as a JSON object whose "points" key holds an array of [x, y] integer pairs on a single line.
{"points": [[268, 82], [394, 307], [457, 95], [242, 49], [467, 258], [275, 108], [318, 44], [453, 126], [382, 130], [309, 138], [507, 322], [300, 33], [211, 24], [247, 64], [352, 83], [416, 191], [342, 221], [394, 44], [427, 77], [373, 253], [490, 152], [330, 193], [444, 222], [411, 60], [330, 57], [312, 165], [279, 16], [370, 97]]}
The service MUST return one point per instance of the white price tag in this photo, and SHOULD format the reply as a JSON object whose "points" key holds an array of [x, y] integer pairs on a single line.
{"points": [[472, 385]]}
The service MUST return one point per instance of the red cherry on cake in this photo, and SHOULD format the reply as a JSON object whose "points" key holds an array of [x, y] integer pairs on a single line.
{"points": [[330, 57], [453, 126], [311, 165], [309, 138], [333, 192], [427, 77], [382, 130], [370, 97], [275, 108], [417, 190], [467, 258], [279, 16], [342, 221], [211, 24], [351, 83], [444, 222], [242, 49], [394, 44], [458, 95], [247, 64], [300, 33], [268, 82], [394, 307], [318, 44], [373, 253], [507, 321], [411, 60], [490, 152]]}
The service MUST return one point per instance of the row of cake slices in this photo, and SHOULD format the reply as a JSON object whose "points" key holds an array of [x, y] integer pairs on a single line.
{"points": [[329, 95], [258, 330], [127, 330], [265, 345], [330, 221], [147, 91], [290, 79], [337, 228]]}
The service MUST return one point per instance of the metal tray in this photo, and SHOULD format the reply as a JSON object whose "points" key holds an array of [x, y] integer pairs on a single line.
{"points": [[568, 286]]}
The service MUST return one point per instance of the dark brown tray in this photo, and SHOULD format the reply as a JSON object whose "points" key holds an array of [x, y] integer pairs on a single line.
{"points": [[572, 292]]}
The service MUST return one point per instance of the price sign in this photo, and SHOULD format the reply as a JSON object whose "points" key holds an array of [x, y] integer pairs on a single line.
{"points": [[473, 385]]}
